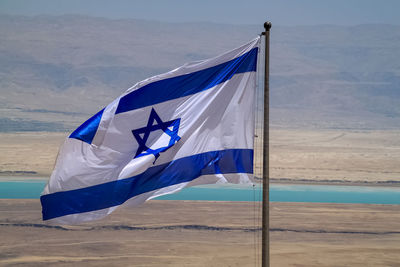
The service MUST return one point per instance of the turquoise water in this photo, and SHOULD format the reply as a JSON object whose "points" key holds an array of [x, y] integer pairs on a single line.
{"points": [[31, 189], [21, 189]]}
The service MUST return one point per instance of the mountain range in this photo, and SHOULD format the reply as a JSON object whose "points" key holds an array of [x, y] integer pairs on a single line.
{"points": [[56, 71]]}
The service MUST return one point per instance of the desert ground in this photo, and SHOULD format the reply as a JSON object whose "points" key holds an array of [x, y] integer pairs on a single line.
{"points": [[295, 155], [190, 233], [346, 156]]}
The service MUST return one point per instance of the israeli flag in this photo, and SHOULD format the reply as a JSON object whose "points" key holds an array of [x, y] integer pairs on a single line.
{"points": [[192, 125]]}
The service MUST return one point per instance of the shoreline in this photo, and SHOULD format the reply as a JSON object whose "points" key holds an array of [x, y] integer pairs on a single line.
{"points": [[285, 181], [388, 183], [11, 178]]}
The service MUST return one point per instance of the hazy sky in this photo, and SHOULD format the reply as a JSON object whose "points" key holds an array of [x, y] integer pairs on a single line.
{"points": [[280, 12]]}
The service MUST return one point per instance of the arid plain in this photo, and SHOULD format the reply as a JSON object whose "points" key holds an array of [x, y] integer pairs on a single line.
{"points": [[295, 155], [190, 233]]}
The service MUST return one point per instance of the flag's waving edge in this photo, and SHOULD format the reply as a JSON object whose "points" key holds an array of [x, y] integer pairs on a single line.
{"points": [[193, 125]]}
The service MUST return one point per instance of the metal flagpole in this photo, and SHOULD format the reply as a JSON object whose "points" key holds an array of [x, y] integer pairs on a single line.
{"points": [[265, 203]]}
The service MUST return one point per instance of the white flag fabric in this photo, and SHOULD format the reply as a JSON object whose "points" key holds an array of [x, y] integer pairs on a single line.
{"points": [[192, 125]]}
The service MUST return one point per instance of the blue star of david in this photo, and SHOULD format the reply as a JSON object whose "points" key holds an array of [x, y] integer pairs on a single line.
{"points": [[153, 124]]}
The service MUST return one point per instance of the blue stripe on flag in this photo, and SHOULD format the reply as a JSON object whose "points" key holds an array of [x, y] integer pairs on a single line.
{"points": [[117, 192], [187, 84], [88, 129], [172, 88]]}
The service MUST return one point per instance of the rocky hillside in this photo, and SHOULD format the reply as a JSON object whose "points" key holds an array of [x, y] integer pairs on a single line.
{"points": [[55, 71]]}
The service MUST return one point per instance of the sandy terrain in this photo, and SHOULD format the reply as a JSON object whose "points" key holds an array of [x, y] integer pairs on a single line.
{"points": [[346, 156], [187, 233], [29, 152], [295, 155]]}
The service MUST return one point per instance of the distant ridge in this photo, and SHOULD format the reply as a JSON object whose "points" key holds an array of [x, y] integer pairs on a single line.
{"points": [[57, 70]]}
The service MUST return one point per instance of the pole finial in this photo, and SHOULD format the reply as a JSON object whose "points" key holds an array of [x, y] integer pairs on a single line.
{"points": [[267, 25]]}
